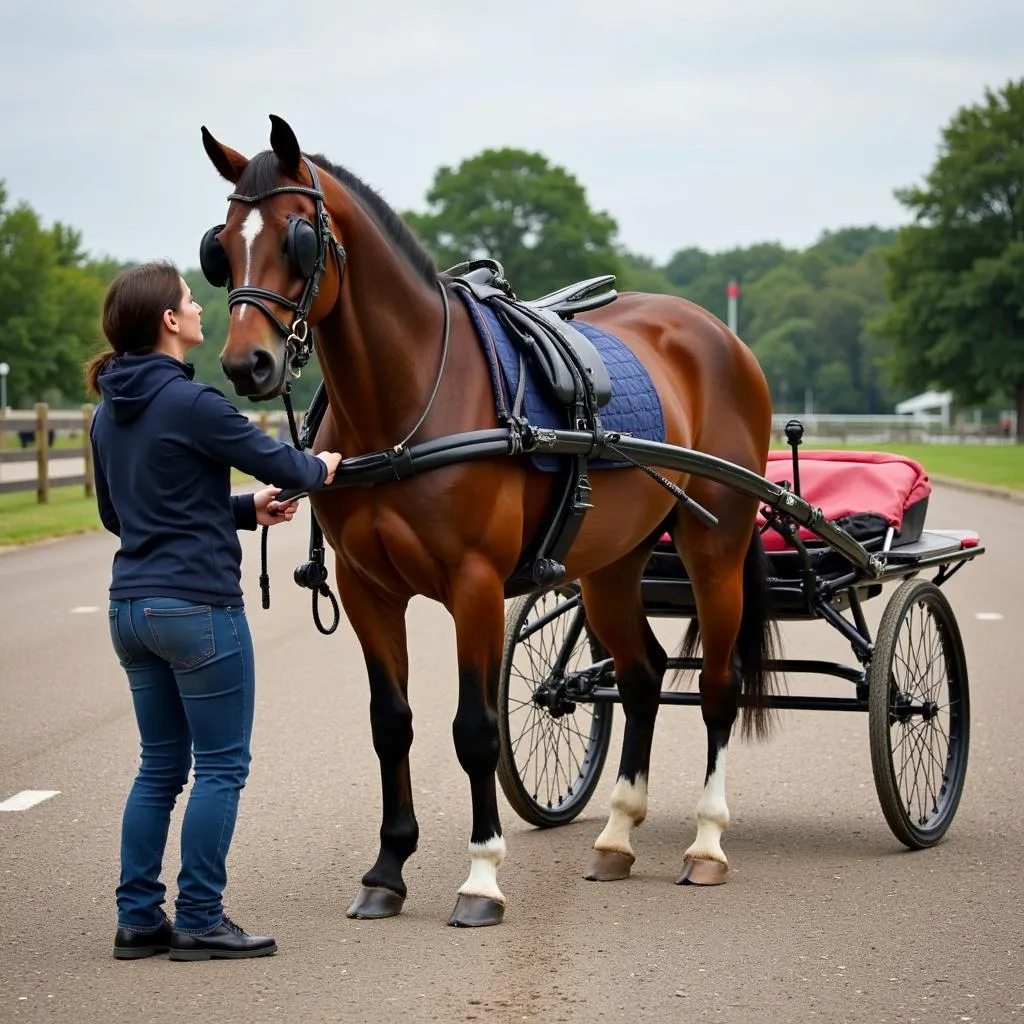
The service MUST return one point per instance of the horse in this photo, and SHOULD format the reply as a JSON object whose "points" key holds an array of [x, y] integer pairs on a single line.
{"points": [[311, 255]]}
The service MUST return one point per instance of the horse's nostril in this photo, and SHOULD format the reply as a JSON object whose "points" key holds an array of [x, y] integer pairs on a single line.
{"points": [[263, 366]]}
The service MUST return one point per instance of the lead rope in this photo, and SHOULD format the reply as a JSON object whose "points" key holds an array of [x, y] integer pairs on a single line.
{"points": [[311, 574]]}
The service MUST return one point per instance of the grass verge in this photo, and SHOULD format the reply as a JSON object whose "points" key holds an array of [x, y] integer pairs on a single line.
{"points": [[24, 520], [992, 465]]}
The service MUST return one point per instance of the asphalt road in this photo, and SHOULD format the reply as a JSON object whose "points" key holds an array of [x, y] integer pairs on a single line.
{"points": [[825, 917]]}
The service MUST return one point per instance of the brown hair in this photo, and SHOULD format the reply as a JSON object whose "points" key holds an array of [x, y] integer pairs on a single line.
{"points": [[132, 313]]}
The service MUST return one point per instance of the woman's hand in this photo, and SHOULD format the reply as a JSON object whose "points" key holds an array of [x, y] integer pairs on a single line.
{"points": [[270, 512], [330, 460]]}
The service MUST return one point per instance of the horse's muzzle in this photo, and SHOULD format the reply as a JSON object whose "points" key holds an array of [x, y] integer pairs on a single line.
{"points": [[256, 374]]}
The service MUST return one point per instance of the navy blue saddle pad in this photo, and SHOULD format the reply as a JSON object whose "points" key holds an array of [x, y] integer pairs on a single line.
{"points": [[634, 408]]}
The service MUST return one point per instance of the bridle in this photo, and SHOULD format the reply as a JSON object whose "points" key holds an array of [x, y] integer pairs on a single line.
{"points": [[297, 336], [299, 347]]}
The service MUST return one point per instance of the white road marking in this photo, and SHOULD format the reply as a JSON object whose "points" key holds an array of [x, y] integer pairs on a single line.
{"points": [[27, 798], [84, 609], [988, 616]]}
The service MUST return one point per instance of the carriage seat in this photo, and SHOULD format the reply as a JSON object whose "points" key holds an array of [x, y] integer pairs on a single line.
{"points": [[865, 493]]}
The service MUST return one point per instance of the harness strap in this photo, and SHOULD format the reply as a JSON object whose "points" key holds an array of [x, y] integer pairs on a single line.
{"points": [[311, 574]]}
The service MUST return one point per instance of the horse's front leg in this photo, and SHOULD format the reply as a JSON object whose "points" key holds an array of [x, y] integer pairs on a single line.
{"points": [[478, 607], [379, 623]]}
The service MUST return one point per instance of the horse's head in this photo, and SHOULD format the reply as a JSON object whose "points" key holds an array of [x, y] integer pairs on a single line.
{"points": [[274, 256]]}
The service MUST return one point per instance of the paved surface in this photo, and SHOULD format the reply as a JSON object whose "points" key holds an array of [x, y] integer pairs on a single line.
{"points": [[64, 466], [826, 917]]}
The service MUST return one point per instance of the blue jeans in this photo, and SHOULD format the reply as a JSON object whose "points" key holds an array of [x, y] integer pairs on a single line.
{"points": [[190, 668]]}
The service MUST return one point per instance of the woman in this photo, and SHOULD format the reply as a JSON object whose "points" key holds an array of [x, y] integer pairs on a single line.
{"points": [[164, 447]]}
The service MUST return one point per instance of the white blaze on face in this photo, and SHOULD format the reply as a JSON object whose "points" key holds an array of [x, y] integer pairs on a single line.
{"points": [[250, 232]]}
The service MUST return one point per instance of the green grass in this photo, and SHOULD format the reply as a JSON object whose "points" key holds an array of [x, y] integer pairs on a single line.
{"points": [[994, 465], [23, 519]]}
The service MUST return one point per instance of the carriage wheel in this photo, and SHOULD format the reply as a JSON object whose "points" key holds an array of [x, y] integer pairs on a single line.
{"points": [[551, 750], [919, 714]]}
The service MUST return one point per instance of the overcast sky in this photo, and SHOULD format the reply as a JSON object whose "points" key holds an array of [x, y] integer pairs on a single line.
{"points": [[692, 122]]}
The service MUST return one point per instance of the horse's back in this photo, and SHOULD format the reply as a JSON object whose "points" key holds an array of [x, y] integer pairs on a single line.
{"points": [[713, 393]]}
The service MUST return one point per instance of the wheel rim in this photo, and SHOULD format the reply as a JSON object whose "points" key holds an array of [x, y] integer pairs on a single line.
{"points": [[553, 744], [926, 740]]}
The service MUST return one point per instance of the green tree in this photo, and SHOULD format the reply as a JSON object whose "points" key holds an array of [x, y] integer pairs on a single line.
{"points": [[956, 275], [639, 274], [515, 207], [49, 307]]}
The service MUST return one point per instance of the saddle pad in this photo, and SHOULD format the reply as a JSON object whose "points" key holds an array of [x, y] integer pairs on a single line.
{"points": [[844, 483], [634, 407]]}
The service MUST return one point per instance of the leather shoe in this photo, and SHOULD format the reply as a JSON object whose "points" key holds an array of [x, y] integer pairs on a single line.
{"points": [[133, 945], [225, 942]]}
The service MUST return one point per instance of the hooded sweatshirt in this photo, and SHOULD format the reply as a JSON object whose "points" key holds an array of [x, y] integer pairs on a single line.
{"points": [[164, 447]]}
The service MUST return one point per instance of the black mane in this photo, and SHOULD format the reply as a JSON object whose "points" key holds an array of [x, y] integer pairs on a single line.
{"points": [[264, 173]]}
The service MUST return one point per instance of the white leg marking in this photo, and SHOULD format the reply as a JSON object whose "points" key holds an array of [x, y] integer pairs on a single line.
{"points": [[629, 808], [485, 859], [712, 816], [250, 232]]}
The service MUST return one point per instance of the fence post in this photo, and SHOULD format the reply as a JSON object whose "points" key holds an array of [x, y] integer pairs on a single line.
{"points": [[42, 454], [87, 449], [264, 421]]}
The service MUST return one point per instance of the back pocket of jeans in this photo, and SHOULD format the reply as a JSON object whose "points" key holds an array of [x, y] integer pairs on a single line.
{"points": [[183, 637]]}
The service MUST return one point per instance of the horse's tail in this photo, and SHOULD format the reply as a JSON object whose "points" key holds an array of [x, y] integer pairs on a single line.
{"points": [[758, 643]]}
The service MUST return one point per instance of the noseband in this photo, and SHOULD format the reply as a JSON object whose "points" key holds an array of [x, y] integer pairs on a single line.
{"points": [[298, 340]]}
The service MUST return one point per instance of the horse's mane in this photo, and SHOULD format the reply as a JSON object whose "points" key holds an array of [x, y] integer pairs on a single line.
{"points": [[264, 172]]}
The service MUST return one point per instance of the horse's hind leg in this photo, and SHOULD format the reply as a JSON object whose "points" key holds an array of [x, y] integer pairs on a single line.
{"points": [[730, 631], [478, 606], [615, 613], [379, 623]]}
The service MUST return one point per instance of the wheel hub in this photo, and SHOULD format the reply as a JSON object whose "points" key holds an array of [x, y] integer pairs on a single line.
{"points": [[552, 697]]}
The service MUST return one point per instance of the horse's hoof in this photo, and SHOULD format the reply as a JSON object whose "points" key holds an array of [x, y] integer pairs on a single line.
{"points": [[698, 871], [609, 866], [373, 903], [476, 912]]}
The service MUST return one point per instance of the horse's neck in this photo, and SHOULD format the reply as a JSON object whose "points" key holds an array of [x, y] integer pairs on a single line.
{"points": [[380, 347]]}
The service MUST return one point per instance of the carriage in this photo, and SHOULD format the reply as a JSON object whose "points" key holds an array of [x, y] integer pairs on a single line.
{"points": [[573, 453], [557, 686]]}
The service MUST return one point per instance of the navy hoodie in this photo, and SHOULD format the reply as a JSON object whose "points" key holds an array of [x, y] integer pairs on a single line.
{"points": [[164, 447]]}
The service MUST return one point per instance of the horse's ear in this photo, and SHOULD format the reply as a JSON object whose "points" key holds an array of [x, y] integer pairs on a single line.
{"points": [[228, 161], [285, 145]]}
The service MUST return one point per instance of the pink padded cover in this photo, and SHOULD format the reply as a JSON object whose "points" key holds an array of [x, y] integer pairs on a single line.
{"points": [[841, 483]]}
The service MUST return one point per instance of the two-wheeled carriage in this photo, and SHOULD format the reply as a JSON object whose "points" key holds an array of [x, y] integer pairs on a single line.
{"points": [[557, 688]]}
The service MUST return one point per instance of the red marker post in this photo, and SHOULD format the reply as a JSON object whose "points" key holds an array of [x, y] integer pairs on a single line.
{"points": [[732, 294]]}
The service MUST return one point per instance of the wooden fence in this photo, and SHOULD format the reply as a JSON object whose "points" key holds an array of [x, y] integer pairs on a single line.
{"points": [[38, 431]]}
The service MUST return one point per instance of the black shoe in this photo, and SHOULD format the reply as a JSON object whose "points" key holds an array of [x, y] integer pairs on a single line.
{"points": [[133, 945], [226, 942]]}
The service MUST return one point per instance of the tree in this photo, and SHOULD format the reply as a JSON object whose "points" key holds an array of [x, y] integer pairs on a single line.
{"points": [[515, 207], [956, 275], [49, 306]]}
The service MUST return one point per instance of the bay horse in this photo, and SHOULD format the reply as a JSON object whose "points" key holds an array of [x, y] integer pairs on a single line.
{"points": [[308, 246]]}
